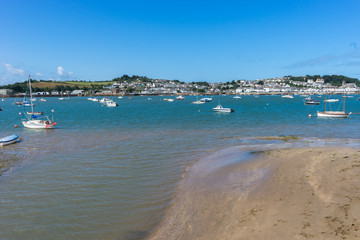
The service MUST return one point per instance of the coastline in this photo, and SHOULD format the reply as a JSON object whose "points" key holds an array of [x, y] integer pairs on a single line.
{"points": [[292, 193]]}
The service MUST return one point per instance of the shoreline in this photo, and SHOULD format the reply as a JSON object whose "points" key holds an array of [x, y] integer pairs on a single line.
{"points": [[290, 193]]}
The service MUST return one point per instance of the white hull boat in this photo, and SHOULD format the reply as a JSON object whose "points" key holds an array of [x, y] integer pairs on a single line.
{"points": [[333, 114], [331, 100], [287, 96], [36, 120], [220, 108], [38, 124], [111, 103], [198, 102]]}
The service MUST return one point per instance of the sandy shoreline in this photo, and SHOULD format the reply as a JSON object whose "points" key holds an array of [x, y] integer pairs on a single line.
{"points": [[297, 193]]}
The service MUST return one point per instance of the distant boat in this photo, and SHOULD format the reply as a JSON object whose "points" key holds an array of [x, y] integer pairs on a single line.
{"points": [[220, 108], [310, 101], [198, 101], [206, 99], [111, 103], [42, 100], [331, 100], [333, 114], [287, 96], [237, 97], [180, 97], [8, 140]]}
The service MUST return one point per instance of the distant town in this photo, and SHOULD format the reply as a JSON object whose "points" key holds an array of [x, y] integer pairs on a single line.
{"points": [[138, 85]]}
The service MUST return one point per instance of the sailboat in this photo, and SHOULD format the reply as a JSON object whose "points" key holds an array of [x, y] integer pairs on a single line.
{"points": [[333, 114], [197, 100], [36, 119]]}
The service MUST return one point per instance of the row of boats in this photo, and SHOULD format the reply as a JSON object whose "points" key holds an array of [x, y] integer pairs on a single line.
{"points": [[107, 101], [38, 120], [327, 113]]}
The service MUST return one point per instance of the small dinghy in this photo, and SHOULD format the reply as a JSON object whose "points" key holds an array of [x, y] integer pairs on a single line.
{"points": [[8, 140]]}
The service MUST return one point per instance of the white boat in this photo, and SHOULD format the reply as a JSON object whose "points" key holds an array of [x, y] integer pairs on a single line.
{"points": [[206, 99], [237, 97], [8, 140], [35, 113], [198, 101], [62, 98], [331, 100], [220, 108], [180, 97], [36, 120], [287, 96], [333, 114], [111, 103], [104, 100], [42, 100]]}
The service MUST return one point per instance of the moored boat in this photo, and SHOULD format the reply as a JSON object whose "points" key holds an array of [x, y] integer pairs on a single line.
{"points": [[8, 140], [220, 108], [333, 114], [36, 120]]}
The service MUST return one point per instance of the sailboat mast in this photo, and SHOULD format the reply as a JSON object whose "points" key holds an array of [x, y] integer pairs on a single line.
{"points": [[325, 100], [31, 100], [344, 101]]}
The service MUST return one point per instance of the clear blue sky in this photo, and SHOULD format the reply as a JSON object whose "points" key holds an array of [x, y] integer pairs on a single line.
{"points": [[214, 41]]}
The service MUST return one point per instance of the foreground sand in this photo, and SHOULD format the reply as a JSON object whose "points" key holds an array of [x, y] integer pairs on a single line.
{"points": [[303, 193]]}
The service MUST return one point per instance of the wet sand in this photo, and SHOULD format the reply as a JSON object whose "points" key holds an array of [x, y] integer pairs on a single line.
{"points": [[298, 193], [8, 161]]}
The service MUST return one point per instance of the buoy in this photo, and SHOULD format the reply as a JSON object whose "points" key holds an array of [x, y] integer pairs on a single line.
{"points": [[309, 115], [19, 113], [15, 126]]}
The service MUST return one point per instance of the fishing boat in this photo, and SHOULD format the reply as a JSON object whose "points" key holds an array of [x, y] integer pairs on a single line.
{"points": [[180, 97], [111, 103], [333, 114], [310, 101], [33, 119], [220, 108], [8, 140]]}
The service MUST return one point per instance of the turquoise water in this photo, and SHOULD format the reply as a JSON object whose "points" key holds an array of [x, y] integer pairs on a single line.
{"points": [[110, 173]]}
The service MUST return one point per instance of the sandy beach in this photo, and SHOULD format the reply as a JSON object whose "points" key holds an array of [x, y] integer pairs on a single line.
{"points": [[297, 193]]}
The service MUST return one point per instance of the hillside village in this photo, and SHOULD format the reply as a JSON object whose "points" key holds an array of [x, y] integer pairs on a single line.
{"points": [[139, 86]]}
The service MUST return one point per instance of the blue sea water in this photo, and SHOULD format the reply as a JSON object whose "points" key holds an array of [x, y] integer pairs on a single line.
{"points": [[110, 173]]}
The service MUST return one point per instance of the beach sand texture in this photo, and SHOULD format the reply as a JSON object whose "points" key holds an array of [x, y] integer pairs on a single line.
{"points": [[298, 193]]}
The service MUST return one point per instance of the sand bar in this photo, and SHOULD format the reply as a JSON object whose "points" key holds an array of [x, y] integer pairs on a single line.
{"points": [[297, 193]]}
